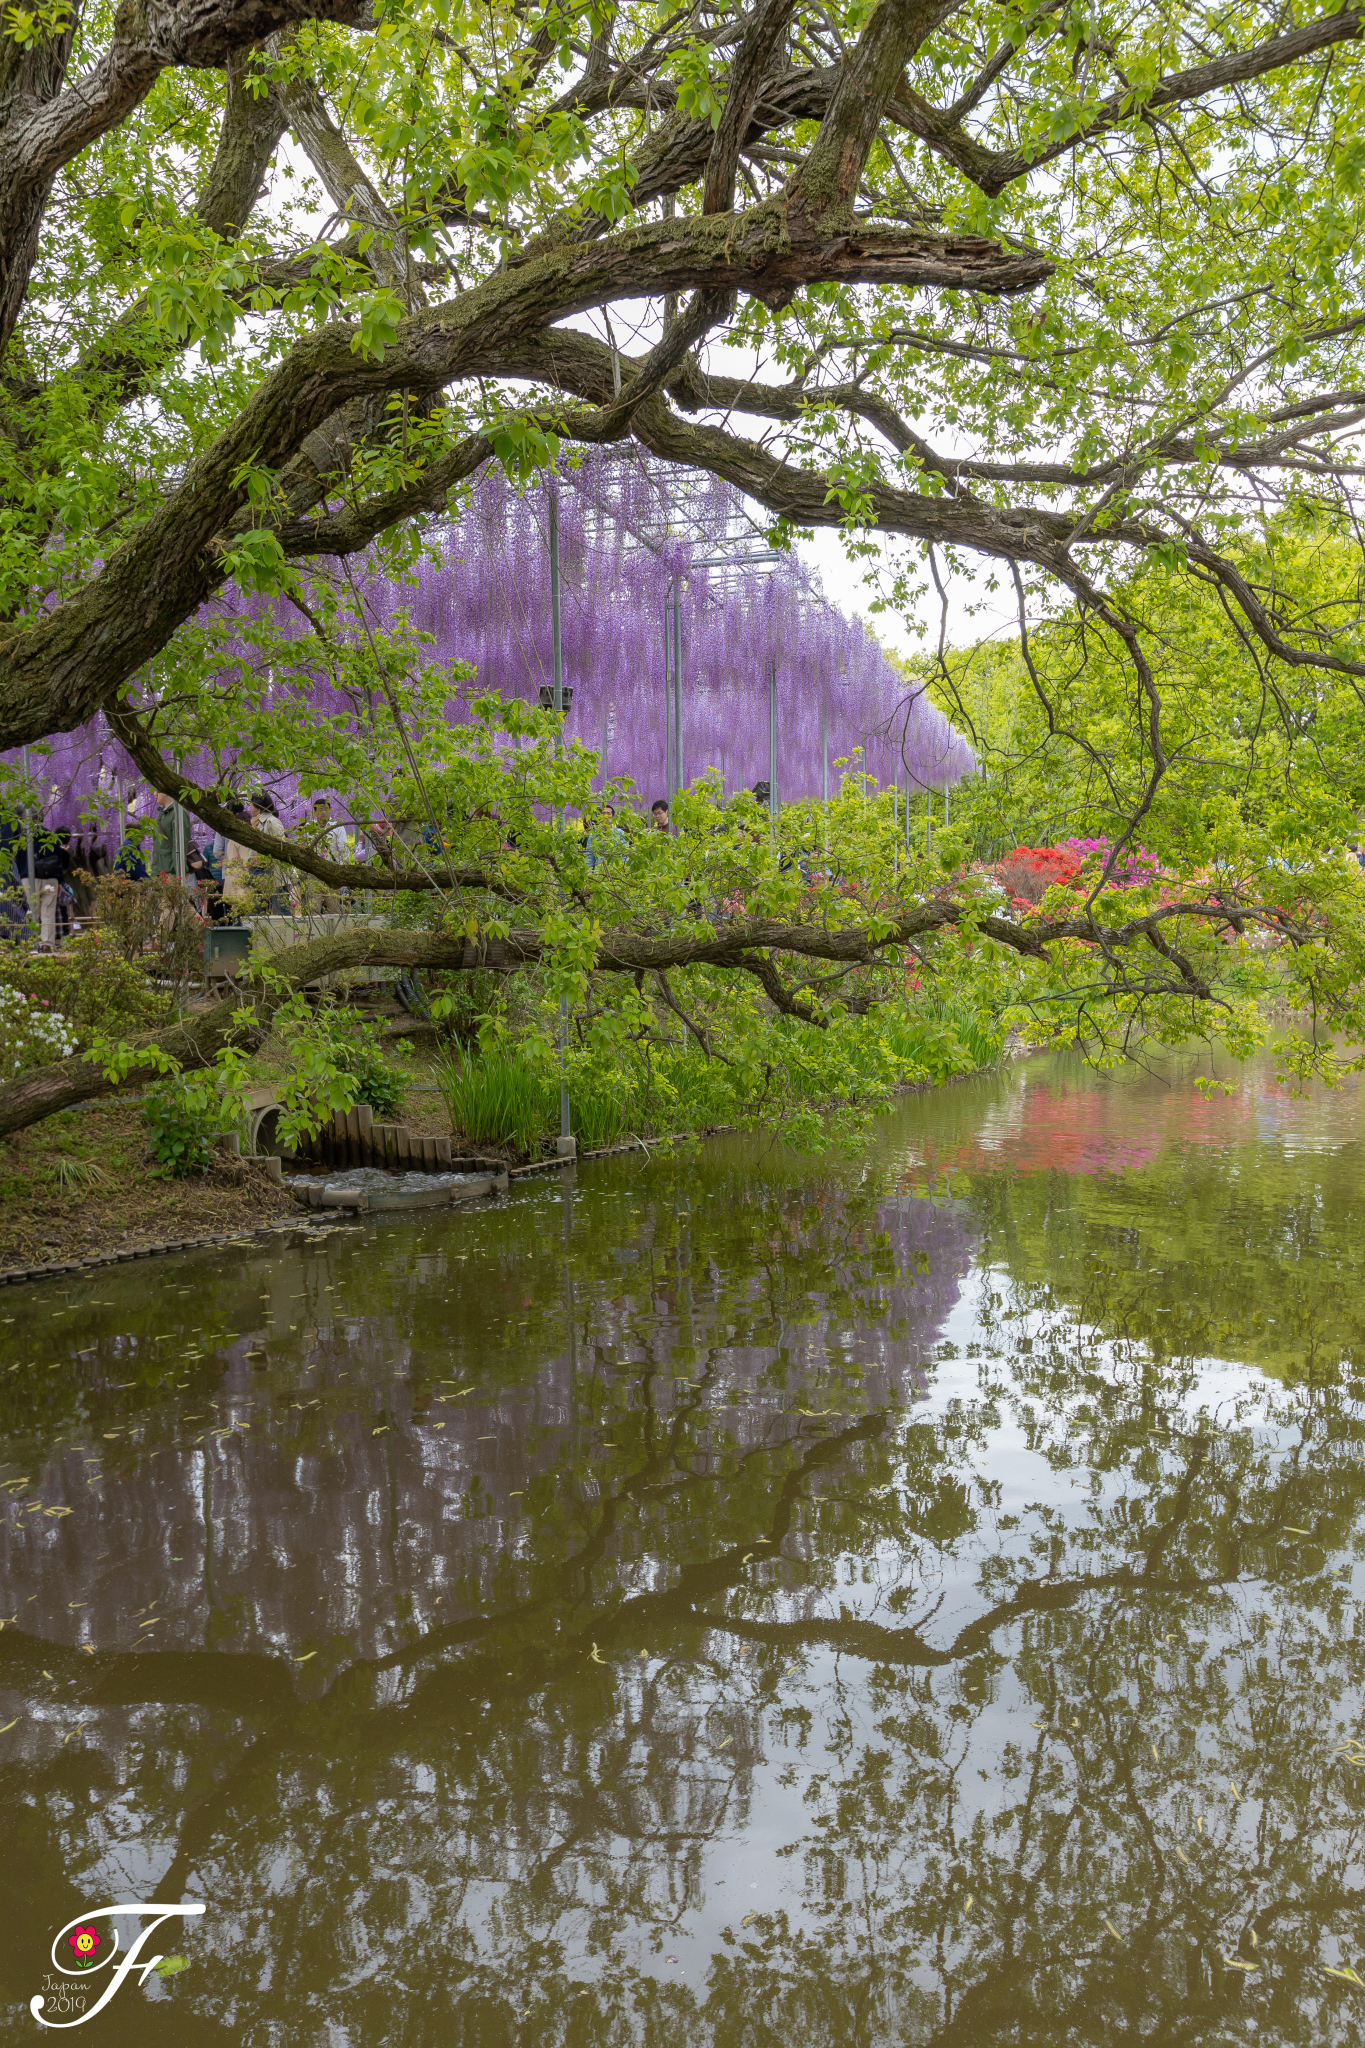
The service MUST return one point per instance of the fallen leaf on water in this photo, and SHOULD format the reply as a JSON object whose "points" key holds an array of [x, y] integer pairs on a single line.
{"points": [[1348, 1974], [595, 1658], [1155, 1756], [747, 1918], [1234, 1963], [1181, 1854], [10, 1724], [1254, 1942], [967, 1903], [381, 1429], [1292, 1531], [1113, 1930], [306, 1655], [724, 1745], [170, 1966], [746, 1557], [1235, 1792]]}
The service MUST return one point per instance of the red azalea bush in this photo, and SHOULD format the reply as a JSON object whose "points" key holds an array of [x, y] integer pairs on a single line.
{"points": [[1028, 872]]}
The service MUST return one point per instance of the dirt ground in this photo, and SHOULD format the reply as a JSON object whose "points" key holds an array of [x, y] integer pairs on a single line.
{"points": [[83, 1183]]}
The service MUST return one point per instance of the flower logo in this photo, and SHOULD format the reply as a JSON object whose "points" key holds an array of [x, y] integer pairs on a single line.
{"points": [[85, 1941]]}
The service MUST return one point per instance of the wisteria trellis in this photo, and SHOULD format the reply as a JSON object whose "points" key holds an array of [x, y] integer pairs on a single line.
{"points": [[629, 531]]}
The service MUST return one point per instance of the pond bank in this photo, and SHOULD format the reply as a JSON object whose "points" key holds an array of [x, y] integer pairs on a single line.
{"points": [[79, 1191], [77, 1188]]}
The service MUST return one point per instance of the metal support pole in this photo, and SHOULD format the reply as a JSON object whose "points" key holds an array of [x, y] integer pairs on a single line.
{"points": [[556, 650], [928, 821], [668, 694], [557, 676], [677, 692], [824, 762], [178, 837], [772, 744], [30, 880], [895, 828], [670, 726]]}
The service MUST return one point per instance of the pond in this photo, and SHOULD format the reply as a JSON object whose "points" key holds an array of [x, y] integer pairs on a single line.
{"points": [[731, 1599]]}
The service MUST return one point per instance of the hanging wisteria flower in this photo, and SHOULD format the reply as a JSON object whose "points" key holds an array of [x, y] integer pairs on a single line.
{"points": [[31, 1033], [756, 640]]}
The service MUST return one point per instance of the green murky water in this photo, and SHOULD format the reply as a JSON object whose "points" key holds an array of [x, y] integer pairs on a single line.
{"points": [[741, 1601]]}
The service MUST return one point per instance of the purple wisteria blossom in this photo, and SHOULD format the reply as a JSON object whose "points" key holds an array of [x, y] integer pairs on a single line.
{"points": [[631, 533]]}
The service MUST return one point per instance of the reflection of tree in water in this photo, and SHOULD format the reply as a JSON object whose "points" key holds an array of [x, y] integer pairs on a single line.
{"points": [[536, 1794], [1254, 1253], [308, 1526]]}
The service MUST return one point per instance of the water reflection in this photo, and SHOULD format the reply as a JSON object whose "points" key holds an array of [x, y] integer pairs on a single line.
{"points": [[730, 1598]]}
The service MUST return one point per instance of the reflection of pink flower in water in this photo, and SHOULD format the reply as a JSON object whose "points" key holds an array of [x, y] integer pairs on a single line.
{"points": [[1044, 1127], [85, 1941]]}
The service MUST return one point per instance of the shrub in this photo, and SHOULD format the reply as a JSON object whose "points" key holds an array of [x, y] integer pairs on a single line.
{"points": [[941, 1040], [31, 1033], [185, 1113], [375, 1078], [91, 981], [1135, 866], [156, 924], [1028, 872]]}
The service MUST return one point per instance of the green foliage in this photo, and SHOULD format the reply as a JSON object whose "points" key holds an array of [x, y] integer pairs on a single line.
{"points": [[317, 1081], [374, 1077], [185, 1113], [83, 1176], [496, 1098], [91, 981], [936, 1042]]}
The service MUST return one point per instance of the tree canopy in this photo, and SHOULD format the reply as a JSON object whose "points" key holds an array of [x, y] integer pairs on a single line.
{"points": [[1069, 288], [1050, 284]]}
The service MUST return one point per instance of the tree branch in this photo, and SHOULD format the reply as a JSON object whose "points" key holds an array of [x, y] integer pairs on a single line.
{"points": [[137, 741], [743, 944], [41, 131], [822, 192], [767, 26], [75, 659], [780, 997]]}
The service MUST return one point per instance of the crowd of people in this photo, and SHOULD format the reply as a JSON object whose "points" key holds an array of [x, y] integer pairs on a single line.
{"points": [[160, 838]]}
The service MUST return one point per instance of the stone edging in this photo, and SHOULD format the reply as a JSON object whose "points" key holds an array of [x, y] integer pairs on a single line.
{"points": [[10, 1276]]}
